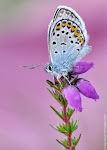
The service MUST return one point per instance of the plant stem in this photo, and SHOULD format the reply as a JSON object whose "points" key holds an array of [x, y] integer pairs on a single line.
{"points": [[66, 120]]}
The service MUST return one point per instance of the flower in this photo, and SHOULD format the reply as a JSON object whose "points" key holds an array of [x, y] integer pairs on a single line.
{"points": [[82, 67], [87, 89], [79, 85], [72, 96]]}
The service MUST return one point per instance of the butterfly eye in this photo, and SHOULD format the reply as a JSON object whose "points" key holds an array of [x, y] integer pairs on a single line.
{"points": [[50, 68]]}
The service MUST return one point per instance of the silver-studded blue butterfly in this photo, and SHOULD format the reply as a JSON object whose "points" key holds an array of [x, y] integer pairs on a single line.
{"points": [[67, 41]]}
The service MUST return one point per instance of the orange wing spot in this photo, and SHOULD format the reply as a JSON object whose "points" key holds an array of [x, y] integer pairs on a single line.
{"points": [[69, 25], [73, 29], [77, 34], [81, 40], [58, 27], [64, 24]]}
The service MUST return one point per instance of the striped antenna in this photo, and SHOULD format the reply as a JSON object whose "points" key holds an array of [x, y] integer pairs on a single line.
{"points": [[33, 66]]}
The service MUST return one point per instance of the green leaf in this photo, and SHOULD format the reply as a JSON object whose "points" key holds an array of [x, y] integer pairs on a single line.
{"points": [[62, 113], [65, 142], [63, 100], [57, 112], [58, 128], [55, 96], [61, 129], [74, 126], [63, 84], [51, 84], [61, 143], [74, 141], [69, 131], [54, 127], [70, 112], [78, 140]]}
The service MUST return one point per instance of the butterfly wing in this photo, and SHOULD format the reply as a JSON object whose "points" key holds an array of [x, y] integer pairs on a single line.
{"points": [[67, 37]]}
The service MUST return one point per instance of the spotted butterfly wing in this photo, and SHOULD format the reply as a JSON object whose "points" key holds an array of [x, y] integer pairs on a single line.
{"points": [[67, 38]]}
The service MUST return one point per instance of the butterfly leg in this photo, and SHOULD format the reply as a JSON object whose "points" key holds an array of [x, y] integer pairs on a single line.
{"points": [[66, 79], [58, 77], [73, 79]]}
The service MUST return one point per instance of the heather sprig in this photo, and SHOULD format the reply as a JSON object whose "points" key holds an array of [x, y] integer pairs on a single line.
{"points": [[67, 93]]}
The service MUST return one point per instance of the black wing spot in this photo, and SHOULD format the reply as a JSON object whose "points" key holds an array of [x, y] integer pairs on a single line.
{"points": [[54, 43], [58, 24], [63, 31], [53, 33], [76, 42], [64, 51], [75, 36], [71, 41], [64, 22], [63, 43], [70, 37], [67, 33], [77, 49], [57, 34], [69, 23], [74, 26], [56, 52]]}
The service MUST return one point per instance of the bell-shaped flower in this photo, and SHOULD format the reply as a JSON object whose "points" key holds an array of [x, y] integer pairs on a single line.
{"points": [[73, 98], [82, 67], [87, 89]]}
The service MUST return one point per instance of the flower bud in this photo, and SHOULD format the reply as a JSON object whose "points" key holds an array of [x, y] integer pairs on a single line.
{"points": [[83, 66], [87, 89], [72, 96]]}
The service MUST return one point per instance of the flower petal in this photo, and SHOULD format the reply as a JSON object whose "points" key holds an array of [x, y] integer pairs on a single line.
{"points": [[87, 89], [72, 96], [84, 66]]}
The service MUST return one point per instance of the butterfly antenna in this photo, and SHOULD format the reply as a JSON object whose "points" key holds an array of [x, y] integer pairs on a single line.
{"points": [[32, 66]]}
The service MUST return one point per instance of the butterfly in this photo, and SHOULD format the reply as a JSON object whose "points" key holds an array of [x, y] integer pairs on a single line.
{"points": [[67, 42]]}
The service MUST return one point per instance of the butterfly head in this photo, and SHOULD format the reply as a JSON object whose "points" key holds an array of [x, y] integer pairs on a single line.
{"points": [[49, 68]]}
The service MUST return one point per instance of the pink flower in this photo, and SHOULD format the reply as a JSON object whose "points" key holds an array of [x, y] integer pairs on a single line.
{"points": [[87, 89], [72, 96], [82, 67]]}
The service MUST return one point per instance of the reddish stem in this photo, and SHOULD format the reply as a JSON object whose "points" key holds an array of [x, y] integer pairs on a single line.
{"points": [[66, 120]]}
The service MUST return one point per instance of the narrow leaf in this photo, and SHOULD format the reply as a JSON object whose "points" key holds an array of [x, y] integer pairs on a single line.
{"points": [[63, 100], [56, 97], [53, 127], [51, 84], [57, 112], [61, 143], [77, 140]]}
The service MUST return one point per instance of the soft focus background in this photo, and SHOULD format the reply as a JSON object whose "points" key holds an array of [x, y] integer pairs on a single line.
{"points": [[24, 101]]}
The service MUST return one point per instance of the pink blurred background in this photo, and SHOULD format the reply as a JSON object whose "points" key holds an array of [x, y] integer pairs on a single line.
{"points": [[24, 100]]}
